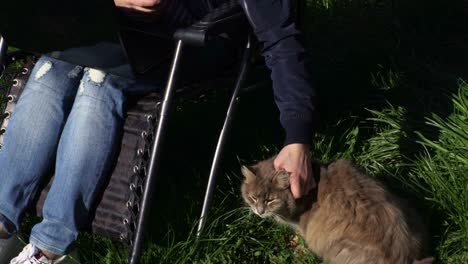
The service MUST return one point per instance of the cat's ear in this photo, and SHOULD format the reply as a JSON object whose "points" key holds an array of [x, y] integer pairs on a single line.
{"points": [[249, 175], [281, 180]]}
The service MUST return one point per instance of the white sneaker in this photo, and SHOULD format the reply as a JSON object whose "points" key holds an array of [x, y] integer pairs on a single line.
{"points": [[32, 255]]}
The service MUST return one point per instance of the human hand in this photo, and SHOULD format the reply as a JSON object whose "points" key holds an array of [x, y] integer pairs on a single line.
{"points": [[295, 159], [141, 9]]}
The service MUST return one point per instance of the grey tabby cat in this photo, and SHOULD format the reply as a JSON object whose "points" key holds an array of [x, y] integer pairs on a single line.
{"points": [[349, 219]]}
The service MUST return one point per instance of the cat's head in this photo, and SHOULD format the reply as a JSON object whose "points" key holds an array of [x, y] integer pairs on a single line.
{"points": [[267, 191]]}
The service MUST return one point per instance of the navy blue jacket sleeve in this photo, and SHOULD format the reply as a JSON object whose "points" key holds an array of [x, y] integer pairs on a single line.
{"points": [[285, 56]]}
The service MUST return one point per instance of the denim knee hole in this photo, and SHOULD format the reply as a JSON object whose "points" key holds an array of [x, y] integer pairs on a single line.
{"points": [[96, 76], [74, 72], [43, 70]]}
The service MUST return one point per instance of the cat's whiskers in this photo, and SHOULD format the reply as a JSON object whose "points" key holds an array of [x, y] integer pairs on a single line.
{"points": [[280, 217], [266, 215], [245, 208]]}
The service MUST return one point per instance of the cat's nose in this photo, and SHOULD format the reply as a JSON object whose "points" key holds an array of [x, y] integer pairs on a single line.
{"points": [[260, 210]]}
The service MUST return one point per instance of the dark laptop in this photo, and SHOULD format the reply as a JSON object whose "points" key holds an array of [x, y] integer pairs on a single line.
{"points": [[87, 32], [93, 33]]}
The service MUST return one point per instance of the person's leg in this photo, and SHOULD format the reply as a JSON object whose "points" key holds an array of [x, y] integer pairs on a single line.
{"points": [[32, 135], [85, 153]]}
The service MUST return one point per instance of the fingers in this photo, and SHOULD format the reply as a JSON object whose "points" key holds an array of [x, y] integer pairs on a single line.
{"points": [[295, 159], [296, 188], [305, 184], [313, 183], [140, 8], [148, 4], [309, 182], [144, 9], [277, 163]]}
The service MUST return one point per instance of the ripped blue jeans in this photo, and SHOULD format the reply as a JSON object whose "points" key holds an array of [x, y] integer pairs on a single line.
{"points": [[71, 118]]}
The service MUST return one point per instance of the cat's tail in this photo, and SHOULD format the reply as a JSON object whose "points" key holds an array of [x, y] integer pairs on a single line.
{"points": [[424, 261]]}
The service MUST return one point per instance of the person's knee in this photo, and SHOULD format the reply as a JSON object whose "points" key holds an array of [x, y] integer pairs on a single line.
{"points": [[100, 93], [54, 77]]}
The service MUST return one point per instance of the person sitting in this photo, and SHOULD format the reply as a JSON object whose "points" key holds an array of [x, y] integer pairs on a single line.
{"points": [[73, 115]]}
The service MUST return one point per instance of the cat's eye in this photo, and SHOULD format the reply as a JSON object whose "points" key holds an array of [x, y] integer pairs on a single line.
{"points": [[270, 201], [253, 198]]}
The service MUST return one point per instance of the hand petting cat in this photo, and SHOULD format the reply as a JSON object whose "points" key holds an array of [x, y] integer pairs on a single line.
{"points": [[295, 159]]}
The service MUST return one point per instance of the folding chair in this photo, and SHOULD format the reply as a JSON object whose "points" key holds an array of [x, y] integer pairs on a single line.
{"points": [[123, 210]]}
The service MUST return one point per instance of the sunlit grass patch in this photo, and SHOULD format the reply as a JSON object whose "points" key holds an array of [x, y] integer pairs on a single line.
{"points": [[441, 173]]}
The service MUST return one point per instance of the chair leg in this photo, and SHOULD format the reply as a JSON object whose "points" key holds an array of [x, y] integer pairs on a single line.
{"points": [[226, 127], [3, 55], [150, 180]]}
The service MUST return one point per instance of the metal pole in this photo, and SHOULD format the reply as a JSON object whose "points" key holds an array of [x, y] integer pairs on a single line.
{"points": [[222, 138], [153, 164], [3, 55]]}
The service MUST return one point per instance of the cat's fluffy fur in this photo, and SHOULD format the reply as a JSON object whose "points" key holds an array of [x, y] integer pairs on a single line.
{"points": [[349, 219]]}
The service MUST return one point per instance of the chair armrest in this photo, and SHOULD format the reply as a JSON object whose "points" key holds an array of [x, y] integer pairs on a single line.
{"points": [[227, 18]]}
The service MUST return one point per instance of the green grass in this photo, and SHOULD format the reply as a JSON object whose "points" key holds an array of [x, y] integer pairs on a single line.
{"points": [[392, 81], [440, 173], [435, 179]]}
